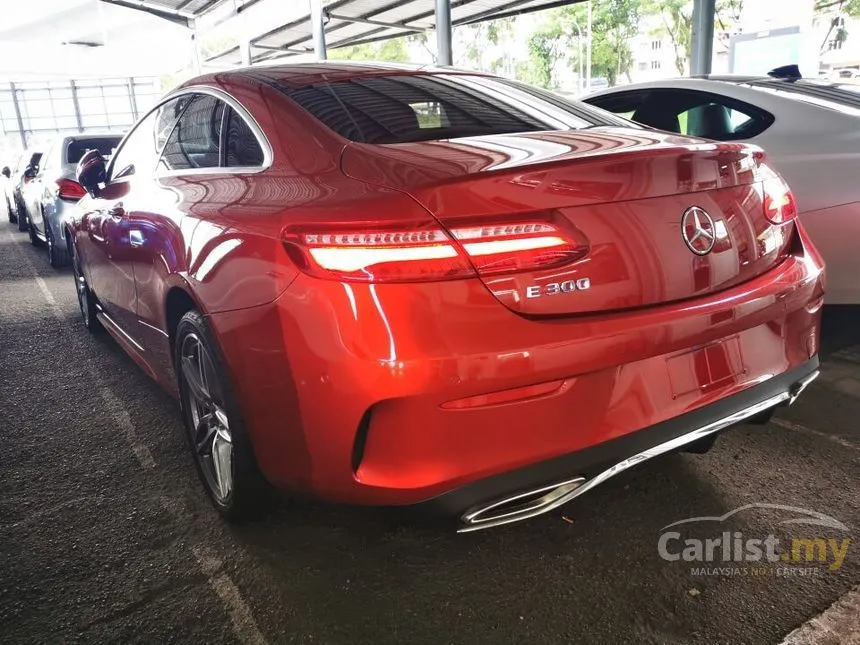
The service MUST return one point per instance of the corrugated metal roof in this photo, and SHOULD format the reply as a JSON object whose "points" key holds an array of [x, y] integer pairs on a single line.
{"points": [[186, 8], [398, 18]]}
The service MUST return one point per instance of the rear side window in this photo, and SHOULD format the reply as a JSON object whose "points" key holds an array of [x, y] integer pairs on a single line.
{"points": [[195, 141], [401, 108], [77, 147], [242, 149], [690, 112]]}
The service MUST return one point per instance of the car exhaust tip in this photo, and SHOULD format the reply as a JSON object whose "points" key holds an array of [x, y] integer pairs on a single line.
{"points": [[520, 506], [797, 389]]}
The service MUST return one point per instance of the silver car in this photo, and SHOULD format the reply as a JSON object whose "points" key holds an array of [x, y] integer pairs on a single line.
{"points": [[50, 196], [810, 130]]}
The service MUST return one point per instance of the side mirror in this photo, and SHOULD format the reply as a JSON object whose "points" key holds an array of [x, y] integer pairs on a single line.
{"points": [[91, 172], [6, 172]]}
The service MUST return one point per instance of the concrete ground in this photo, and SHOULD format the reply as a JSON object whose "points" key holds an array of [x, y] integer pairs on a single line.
{"points": [[106, 536]]}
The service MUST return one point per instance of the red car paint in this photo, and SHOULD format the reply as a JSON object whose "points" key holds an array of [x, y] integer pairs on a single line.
{"points": [[444, 382]]}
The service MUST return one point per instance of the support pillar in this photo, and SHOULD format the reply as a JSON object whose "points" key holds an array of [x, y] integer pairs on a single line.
{"points": [[702, 39], [318, 27], [444, 55]]}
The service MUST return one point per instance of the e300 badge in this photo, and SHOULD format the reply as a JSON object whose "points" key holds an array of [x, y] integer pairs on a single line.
{"points": [[557, 288]]}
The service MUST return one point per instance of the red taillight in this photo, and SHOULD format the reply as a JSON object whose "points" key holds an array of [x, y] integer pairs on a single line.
{"points": [[515, 246], [68, 189], [376, 255], [779, 204], [425, 253]]}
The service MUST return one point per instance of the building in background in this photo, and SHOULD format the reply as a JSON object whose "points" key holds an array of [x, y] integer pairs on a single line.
{"points": [[654, 51]]}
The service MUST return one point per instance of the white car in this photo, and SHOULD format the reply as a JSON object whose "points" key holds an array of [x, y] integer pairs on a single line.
{"points": [[810, 130]]}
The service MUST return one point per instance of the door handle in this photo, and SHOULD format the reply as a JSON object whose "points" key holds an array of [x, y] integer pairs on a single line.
{"points": [[116, 211]]}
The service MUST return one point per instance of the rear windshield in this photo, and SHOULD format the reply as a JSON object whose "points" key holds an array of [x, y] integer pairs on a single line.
{"points": [[402, 108], [77, 147]]}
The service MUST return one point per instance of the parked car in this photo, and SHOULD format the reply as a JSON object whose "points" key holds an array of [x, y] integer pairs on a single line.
{"points": [[24, 172], [490, 312], [54, 191], [809, 128]]}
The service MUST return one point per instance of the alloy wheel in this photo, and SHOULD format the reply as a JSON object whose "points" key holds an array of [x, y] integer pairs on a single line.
{"points": [[209, 426]]}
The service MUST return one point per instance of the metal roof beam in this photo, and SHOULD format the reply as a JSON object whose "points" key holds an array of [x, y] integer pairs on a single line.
{"points": [[497, 13], [378, 23], [178, 17]]}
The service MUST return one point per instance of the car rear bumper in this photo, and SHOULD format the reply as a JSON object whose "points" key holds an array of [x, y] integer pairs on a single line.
{"points": [[539, 488], [398, 394]]}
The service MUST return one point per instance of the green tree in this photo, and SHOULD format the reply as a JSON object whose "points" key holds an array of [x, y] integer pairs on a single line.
{"points": [[836, 10], [474, 52], [677, 18], [394, 50], [614, 23]]}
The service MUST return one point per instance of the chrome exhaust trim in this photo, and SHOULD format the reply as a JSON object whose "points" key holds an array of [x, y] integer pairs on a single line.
{"points": [[508, 510], [798, 388]]}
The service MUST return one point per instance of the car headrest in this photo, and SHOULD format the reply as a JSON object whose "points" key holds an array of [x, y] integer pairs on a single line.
{"points": [[714, 122], [659, 119]]}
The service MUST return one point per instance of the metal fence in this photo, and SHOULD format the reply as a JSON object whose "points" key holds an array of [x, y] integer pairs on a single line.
{"points": [[34, 111]]}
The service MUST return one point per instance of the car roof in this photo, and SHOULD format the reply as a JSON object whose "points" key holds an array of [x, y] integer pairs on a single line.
{"points": [[297, 75], [735, 79]]}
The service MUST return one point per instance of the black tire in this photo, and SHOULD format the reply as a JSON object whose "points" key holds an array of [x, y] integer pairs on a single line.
{"points": [[23, 223], [31, 231], [58, 254], [249, 496], [86, 299]]}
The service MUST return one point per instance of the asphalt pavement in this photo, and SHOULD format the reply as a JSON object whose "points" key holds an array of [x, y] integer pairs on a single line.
{"points": [[106, 536]]}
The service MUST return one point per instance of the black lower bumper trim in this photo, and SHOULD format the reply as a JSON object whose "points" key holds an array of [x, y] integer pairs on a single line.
{"points": [[594, 461]]}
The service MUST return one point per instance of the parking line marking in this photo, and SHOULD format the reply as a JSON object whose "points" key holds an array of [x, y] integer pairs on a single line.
{"points": [[123, 420], [796, 427], [839, 623], [244, 626]]}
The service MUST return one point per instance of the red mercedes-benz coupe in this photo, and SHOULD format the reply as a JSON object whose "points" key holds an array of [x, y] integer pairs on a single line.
{"points": [[398, 286]]}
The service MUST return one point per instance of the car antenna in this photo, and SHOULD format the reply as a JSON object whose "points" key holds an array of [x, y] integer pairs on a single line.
{"points": [[786, 72]]}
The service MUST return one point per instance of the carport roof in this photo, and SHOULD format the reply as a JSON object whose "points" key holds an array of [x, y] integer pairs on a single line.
{"points": [[171, 9], [352, 22]]}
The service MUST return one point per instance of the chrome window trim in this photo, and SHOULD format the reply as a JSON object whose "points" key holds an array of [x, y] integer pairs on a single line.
{"points": [[261, 137]]}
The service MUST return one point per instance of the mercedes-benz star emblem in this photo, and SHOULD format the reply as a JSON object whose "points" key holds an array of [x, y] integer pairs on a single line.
{"points": [[697, 229]]}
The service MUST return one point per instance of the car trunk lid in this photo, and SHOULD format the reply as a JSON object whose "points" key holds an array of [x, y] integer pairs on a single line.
{"points": [[659, 218]]}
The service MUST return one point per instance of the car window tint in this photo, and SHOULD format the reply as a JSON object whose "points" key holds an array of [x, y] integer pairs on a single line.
{"points": [[77, 147], [168, 115], [690, 112], [139, 150], [242, 147], [713, 120], [194, 142], [401, 108]]}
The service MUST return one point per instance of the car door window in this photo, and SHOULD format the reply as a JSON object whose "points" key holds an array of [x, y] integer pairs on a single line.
{"points": [[195, 141], [139, 151], [241, 147]]}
